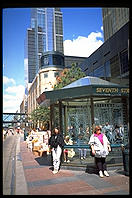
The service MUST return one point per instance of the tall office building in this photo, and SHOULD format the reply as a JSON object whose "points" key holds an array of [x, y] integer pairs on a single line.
{"points": [[44, 58], [45, 34], [113, 20]]}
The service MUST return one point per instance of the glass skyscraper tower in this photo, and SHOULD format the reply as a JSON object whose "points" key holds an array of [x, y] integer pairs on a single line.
{"points": [[45, 34]]}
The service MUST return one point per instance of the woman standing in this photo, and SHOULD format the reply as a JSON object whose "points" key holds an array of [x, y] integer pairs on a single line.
{"points": [[100, 149], [56, 144]]}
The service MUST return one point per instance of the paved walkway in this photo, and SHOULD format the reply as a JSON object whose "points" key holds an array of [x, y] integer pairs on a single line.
{"points": [[33, 178]]}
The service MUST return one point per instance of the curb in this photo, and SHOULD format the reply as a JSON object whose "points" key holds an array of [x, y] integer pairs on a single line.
{"points": [[21, 184]]}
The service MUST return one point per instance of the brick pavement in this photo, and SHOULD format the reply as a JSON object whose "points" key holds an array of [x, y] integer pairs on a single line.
{"points": [[41, 181]]}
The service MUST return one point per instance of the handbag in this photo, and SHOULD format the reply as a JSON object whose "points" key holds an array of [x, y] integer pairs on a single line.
{"points": [[71, 153]]}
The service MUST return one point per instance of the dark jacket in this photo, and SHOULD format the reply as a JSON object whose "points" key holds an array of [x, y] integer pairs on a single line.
{"points": [[54, 142]]}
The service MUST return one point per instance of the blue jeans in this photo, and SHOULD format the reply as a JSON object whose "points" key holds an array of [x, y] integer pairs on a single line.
{"points": [[82, 152]]}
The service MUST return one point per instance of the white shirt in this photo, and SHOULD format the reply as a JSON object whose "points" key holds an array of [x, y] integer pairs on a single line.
{"points": [[101, 150]]}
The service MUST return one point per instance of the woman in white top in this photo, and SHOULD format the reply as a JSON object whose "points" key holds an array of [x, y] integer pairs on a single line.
{"points": [[100, 149]]}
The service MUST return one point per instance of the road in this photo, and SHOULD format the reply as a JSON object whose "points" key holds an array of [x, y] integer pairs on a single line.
{"points": [[9, 164]]}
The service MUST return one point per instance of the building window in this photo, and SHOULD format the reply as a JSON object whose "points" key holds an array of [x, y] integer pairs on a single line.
{"points": [[58, 60], [99, 72], [114, 64], [90, 74], [50, 30], [124, 61], [107, 69], [51, 59], [45, 75], [46, 62]]}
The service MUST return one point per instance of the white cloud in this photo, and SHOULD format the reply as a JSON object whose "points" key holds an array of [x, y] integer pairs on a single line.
{"points": [[83, 46], [7, 80], [12, 98], [15, 89], [8, 97]]}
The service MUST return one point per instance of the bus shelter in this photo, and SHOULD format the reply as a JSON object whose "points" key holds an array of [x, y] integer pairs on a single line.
{"points": [[78, 107]]}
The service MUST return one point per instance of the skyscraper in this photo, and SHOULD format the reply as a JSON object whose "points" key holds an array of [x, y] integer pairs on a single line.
{"points": [[44, 59], [45, 34], [113, 20]]}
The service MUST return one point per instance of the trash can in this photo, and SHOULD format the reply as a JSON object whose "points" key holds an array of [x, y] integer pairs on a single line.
{"points": [[125, 153]]}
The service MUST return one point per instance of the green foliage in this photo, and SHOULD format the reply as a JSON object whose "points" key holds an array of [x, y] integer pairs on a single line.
{"points": [[41, 113], [69, 76]]}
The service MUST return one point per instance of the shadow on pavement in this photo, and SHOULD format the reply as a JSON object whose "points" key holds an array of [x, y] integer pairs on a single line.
{"points": [[44, 160], [91, 169]]}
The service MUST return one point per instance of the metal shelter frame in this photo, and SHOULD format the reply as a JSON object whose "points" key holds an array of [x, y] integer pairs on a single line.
{"points": [[87, 96], [91, 88]]}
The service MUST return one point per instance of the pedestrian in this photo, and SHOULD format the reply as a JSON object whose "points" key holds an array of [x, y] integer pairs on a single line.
{"points": [[46, 138], [100, 149], [56, 144]]}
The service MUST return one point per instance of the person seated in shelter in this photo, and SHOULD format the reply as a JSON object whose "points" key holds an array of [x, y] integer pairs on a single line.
{"points": [[68, 152], [81, 130], [107, 128], [119, 131], [82, 151], [71, 132]]}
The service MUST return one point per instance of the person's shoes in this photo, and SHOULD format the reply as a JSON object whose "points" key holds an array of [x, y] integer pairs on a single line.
{"points": [[64, 160], [55, 171], [106, 173], [101, 174], [81, 158], [68, 161], [84, 158]]}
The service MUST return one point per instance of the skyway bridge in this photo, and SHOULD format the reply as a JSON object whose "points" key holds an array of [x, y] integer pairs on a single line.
{"points": [[14, 119]]}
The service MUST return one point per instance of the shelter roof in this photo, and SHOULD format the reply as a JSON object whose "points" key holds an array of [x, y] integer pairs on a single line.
{"points": [[89, 80], [85, 87]]}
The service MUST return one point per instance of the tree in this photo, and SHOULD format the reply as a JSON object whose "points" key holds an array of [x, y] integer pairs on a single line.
{"points": [[68, 76], [40, 114]]}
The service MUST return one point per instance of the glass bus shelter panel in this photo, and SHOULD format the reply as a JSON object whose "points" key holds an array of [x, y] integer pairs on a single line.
{"points": [[79, 120], [105, 112], [111, 113]]}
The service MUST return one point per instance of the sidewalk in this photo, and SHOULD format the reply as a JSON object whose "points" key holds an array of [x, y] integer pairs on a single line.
{"points": [[33, 178]]}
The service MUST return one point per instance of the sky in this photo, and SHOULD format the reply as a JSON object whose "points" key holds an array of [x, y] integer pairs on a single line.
{"points": [[82, 35]]}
